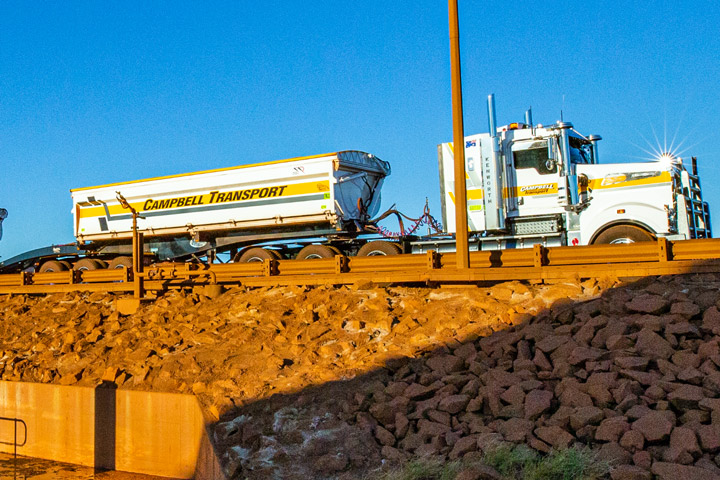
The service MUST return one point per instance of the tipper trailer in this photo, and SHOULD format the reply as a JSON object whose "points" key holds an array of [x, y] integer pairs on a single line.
{"points": [[526, 184]]}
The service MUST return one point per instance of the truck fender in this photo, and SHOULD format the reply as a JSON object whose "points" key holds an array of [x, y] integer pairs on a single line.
{"points": [[618, 223]]}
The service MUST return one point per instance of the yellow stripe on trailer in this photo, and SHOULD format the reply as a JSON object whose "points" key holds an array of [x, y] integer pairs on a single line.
{"points": [[210, 198]]}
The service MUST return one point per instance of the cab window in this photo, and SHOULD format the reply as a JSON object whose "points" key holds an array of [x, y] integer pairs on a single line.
{"points": [[535, 156]]}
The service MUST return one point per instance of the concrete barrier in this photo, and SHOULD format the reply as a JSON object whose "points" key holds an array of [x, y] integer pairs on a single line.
{"points": [[159, 434]]}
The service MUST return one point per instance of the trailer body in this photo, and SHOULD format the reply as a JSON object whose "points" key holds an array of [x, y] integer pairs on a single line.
{"points": [[337, 190]]}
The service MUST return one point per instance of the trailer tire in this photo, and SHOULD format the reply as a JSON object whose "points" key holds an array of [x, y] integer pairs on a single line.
{"points": [[258, 254], [53, 266], [120, 262], [624, 234], [310, 252], [379, 247], [86, 264]]}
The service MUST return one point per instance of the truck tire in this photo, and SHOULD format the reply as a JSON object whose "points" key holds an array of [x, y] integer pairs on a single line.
{"points": [[379, 247], [53, 266], [86, 264], [309, 252], [120, 262], [624, 234], [258, 254]]}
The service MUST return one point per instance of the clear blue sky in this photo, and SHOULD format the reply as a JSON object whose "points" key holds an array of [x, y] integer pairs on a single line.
{"points": [[101, 92]]}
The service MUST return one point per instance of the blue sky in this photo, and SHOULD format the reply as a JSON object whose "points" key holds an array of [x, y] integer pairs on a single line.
{"points": [[101, 92]]}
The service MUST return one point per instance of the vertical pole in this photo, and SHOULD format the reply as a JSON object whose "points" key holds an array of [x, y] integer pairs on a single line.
{"points": [[461, 223], [138, 249]]}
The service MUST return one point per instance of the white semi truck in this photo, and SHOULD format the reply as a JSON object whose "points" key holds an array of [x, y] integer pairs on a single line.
{"points": [[529, 184], [526, 184]]}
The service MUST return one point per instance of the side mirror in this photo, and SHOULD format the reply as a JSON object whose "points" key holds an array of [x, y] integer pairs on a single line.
{"points": [[550, 165]]}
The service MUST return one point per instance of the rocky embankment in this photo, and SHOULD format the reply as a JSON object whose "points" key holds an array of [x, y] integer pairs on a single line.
{"points": [[334, 383]]}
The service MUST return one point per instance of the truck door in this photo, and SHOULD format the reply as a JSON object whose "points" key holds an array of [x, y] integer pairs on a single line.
{"points": [[535, 186]]}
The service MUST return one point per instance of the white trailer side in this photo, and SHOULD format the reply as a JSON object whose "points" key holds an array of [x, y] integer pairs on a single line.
{"points": [[330, 190]]}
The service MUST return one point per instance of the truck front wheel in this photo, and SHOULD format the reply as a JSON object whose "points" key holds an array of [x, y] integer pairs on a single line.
{"points": [[624, 234], [379, 247]]}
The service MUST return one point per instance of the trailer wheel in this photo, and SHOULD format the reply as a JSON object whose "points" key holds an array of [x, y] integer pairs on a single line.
{"points": [[52, 266], [258, 254], [379, 247], [624, 234], [120, 262], [86, 264], [316, 251]]}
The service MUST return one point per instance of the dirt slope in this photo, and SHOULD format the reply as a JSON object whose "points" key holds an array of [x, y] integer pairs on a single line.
{"points": [[326, 383]]}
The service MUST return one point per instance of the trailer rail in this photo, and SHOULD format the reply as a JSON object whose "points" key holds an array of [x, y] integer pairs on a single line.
{"points": [[538, 264]]}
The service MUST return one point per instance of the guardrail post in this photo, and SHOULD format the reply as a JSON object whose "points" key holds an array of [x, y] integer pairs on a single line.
{"points": [[269, 267], [539, 255], [433, 260], [664, 251], [341, 264]]}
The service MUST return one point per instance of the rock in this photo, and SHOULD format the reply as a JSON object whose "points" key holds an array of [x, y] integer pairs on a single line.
{"points": [[581, 354], [632, 363], [428, 429], [686, 359], [655, 426], [393, 454], [584, 416], [513, 395], [629, 472], [555, 436], [611, 429], [463, 446], [572, 397], [632, 441], [537, 402], [709, 436], [686, 397], [642, 459], [652, 345], [711, 320], [515, 429], [647, 303], [683, 438], [673, 471], [416, 391], [384, 436], [445, 364], [454, 403], [613, 454], [552, 342]]}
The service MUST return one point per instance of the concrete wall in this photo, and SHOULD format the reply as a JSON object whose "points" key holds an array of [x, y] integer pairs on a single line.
{"points": [[154, 433]]}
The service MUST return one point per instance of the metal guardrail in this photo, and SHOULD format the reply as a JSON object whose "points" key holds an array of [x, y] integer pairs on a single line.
{"points": [[662, 257], [14, 443]]}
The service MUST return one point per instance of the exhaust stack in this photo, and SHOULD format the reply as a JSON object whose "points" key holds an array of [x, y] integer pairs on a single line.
{"points": [[494, 210], [594, 139]]}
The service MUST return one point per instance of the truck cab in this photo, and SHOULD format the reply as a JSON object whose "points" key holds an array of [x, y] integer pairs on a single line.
{"points": [[529, 184]]}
